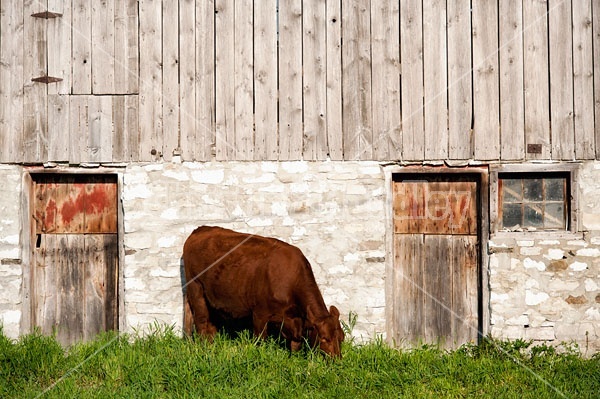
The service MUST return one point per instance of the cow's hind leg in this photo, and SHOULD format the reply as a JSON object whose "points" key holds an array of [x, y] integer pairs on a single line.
{"points": [[200, 312]]}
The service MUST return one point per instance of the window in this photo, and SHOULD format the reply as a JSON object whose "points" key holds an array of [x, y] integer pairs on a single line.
{"points": [[533, 198], [533, 201]]}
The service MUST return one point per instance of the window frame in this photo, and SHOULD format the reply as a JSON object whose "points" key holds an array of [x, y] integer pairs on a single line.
{"points": [[539, 169]]}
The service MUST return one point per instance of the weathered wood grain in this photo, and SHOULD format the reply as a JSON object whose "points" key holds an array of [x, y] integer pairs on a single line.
{"points": [[314, 80], [486, 90], [459, 79], [411, 55], [170, 79], [290, 80], [512, 108], [204, 141], [314, 58], [81, 56], [583, 80], [225, 79], [35, 95], [126, 47], [265, 81], [11, 76], [357, 118], [103, 47], [150, 98], [59, 43], [334, 80], [436, 85], [561, 80], [537, 96], [385, 42], [243, 56], [596, 55]]}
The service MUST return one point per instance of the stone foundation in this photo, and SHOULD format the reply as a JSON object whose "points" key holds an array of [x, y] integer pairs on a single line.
{"points": [[544, 288]]}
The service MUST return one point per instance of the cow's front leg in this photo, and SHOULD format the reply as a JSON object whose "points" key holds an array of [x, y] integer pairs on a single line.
{"points": [[292, 330], [197, 302], [259, 324]]}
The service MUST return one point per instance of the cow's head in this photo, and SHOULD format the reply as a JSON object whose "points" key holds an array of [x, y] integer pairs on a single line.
{"points": [[328, 334]]}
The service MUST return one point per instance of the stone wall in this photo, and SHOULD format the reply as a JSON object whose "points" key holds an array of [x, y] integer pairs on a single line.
{"points": [[546, 287], [333, 211], [11, 273]]}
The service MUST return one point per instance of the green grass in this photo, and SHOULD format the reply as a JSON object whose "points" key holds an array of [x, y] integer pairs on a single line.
{"points": [[164, 365]]}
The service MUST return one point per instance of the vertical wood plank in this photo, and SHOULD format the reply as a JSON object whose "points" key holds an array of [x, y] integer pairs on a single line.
{"points": [[535, 45], [314, 88], [265, 80], [244, 80], [596, 55], [78, 128], [436, 82], [409, 316], [486, 92], [103, 47], [70, 292], [45, 285], [11, 76], [35, 95], [93, 268], [125, 141], [126, 47], [59, 65], [561, 79], [150, 98], [512, 107], [356, 97], [205, 80], [437, 291], [583, 79], [100, 125], [459, 79], [59, 43], [187, 86], [225, 80], [464, 324], [81, 58], [58, 128], [290, 80], [385, 31], [334, 80], [109, 246], [411, 56], [170, 79]]}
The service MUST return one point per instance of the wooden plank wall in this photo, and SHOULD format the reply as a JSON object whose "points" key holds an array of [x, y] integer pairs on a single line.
{"points": [[300, 79]]}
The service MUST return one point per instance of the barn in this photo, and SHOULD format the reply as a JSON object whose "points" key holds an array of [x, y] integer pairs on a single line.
{"points": [[438, 162]]}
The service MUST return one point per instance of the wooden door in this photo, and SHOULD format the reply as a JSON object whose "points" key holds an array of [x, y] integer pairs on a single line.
{"points": [[436, 260], [74, 287]]}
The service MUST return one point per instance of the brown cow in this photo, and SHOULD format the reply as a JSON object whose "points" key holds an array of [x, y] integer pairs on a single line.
{"points": [[242, 275]]}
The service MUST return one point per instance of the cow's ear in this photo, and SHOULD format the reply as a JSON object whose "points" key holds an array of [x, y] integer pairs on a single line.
{"points": [[334, 312]]}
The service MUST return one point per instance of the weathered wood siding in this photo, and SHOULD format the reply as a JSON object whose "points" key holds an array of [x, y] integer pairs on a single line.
{"points": [[300, 79]]}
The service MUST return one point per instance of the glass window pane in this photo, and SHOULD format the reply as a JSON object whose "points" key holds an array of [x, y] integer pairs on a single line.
{"points": [[534, 216], [555, 216], [512, 190], [512, 216], [555, 189], [532, 189]]}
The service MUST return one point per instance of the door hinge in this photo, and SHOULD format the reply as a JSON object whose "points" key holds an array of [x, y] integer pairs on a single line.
{"points": [[46, 79], [47, 15]]}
